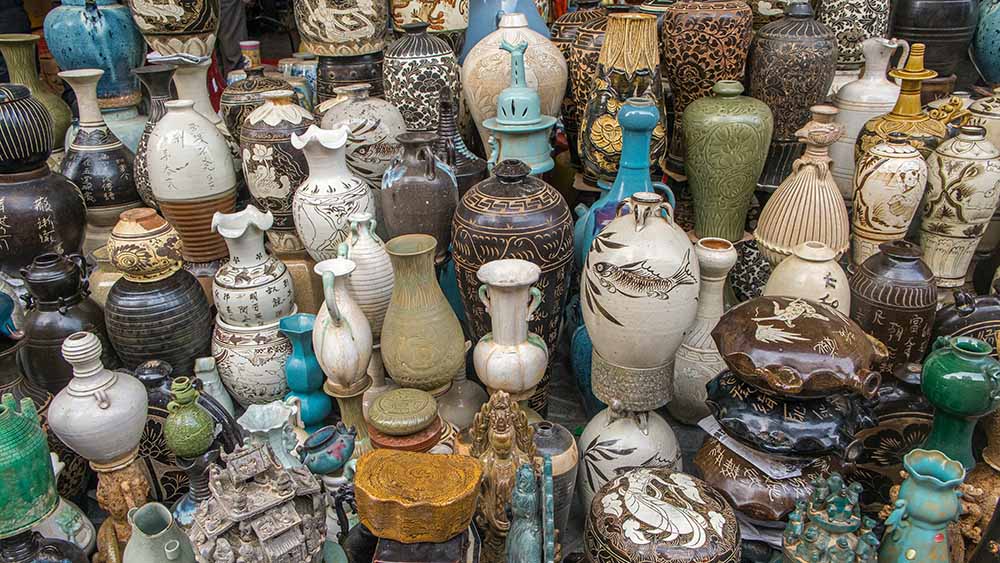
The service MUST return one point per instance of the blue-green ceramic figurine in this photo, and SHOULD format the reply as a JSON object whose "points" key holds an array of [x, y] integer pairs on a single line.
{"points": [[524, 540], [917, 528], [828, 527], [305, 377]]}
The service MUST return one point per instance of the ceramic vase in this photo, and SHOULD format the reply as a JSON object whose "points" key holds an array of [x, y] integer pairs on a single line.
{"points": [[582, 65], [370, 285], [854, 22], [272, 167], [156, 79], [985, 112], [628, 66], [703, 43], [156, 537], [945, 27], [419, 193], [358, 28], [253, 288], [374, 124], [557, 443], [791, 68], [484, 18], [331, 193], [335, 72], [869, 96], [643, 245], [418, 67], [807, 205], [276, 425], [342, 337], [251, 361], [422, 341], [564, 32], [698, 360], [486, 70], [102, 277], [173, 28], [125, 122], [739, 127], [984, 49], [468, 168], [446, 21], [30, 495], [192, 178], [811, 272], [49, 207], [189, 430], [18, 50], [888, 186], [240, 98], [302, 370]]}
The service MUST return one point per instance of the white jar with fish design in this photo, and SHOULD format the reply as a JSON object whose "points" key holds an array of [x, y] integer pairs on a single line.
{"points": [[331, 193], [641, 270]]}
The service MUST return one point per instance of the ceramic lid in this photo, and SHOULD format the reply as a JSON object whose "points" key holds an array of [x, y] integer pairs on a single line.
{"points": [[402, 411], [144, 247], [656, 515], [250, 88]]}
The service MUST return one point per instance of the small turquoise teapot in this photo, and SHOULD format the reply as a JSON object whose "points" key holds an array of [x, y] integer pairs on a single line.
{"points": [[326, 450]]}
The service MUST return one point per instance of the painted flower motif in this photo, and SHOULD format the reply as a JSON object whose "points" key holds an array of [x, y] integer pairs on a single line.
{"points": [[263, 153], [612, 505], [606, 134], [632, 531]]}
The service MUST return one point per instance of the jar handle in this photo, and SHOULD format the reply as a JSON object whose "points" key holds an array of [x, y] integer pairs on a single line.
{"points": [[940, 342], [906, 52], [430, 171], [81, 264], [666, 192], [328, 295], [992, 372], [484, 297], [536, 301]]}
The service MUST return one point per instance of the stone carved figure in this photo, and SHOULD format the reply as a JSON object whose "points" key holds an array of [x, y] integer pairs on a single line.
{"points": [[524, 541], [118, 492]]}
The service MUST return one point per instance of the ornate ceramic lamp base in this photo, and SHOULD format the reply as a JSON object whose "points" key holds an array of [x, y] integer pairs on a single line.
{"points": [[352, 414], [635, 389]]}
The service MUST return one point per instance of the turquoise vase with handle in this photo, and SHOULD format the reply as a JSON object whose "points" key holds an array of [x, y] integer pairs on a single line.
{"points": [[302, 371]]}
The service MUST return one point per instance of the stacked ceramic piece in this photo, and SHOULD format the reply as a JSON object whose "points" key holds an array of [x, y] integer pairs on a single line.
{"points": [[408, 420], [799, 373]]}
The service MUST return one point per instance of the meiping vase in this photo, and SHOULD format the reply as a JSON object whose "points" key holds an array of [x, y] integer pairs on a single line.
{"points": [[963, 188], [854, 22], [698, 360], [985, 49], [370, 285], [174, 28], [342, 337], [418, 68], [422, 341], [811, 272], [272, 167], [192, 177], [468, 168], [486, 70], [243, 96], [616, 440], [18, 50], [564, 32], [807, 205], [157, 310], [962, 380], [704, 41], [448, 21], [374, 124], [894, 299], [156, 537], [581, 63], [30, 493], [509, 358], [189, 429], [792, 64], [331, 193], [356, 28], [303, 373], [156, 79], [485, 15], [59, 305], [251, 361], [869, 96], [419, 193], [641, 267], [514, 215], [946, 28], [335, 72], [101, 413], [253, 288], [928, 502], [98, 34], [628, 67], [726, 138]]}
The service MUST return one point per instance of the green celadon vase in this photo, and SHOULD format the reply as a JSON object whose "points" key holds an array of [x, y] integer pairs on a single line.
{"points": [[28, 493], [189, 429]]}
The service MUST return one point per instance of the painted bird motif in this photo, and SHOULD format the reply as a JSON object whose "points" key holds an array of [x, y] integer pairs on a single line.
{"points": [[637, 279]]}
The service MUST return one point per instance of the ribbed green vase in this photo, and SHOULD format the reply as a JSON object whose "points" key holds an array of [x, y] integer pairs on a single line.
{"points": [[18, 51], [28, 492]]}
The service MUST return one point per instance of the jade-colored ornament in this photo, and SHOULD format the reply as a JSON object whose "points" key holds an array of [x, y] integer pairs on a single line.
{"points": [[524, 541], [727, 138], [28, 492], [189, 429], [962, 380]]}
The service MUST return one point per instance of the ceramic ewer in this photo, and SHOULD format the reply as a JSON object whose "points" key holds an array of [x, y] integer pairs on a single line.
{"points": [[331, 193], [418, 68], [175, 28], [963, 188], [811, 272], [344, 30], [342, 337], [156, 79], [640, 268], [18, 51], [889, 183]]}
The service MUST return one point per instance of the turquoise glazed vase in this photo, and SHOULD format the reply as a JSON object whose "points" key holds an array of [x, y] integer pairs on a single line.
{"points": [[98, 34], [917, 528], [304, 376], [962, 381], [28, 494], [986, 45]]}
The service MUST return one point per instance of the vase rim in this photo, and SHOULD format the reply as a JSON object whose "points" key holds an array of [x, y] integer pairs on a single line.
{"points": [[968, 346], [81, 74], [283, 93], [336, 266], [18, 38], [509, 272], [235, 225], [154, 69], [299, 323], [411, 245], [158, 510], [179, 105], [933, 466], [512, 20], [814, 251], [715, 244], [330, 138]]}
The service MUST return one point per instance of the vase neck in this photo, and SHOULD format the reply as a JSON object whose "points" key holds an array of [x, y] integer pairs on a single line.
{"points": [[509, 313], [952, 436], [415, 284], [192, 84], [247, 250], [86, 101], [20, 59], [908, 103], [324, 161], [877, 64]]}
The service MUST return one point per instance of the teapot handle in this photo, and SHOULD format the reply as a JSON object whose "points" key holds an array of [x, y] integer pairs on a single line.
{"points": [[430, 171], [328, 295]]}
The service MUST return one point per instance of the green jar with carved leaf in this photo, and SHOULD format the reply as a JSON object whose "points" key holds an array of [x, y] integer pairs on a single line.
{"points": [[28, 494], [727, 136]]}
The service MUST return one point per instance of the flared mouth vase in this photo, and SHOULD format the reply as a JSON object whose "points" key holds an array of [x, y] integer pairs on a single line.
{"points": [[933, 468]]}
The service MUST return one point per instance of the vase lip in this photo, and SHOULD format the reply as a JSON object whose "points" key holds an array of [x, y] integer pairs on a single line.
{"points": [[18, 37], [157, 508], [154, 69], [182, 104], [299, 323], [272, 95], [415, 28], [512, 20], [337, 266], [359, 217], [358, 90], [235, 225], [83, 75], [901, 249], [330, 138], [511, 171], [411, 245], [417, 138], [969, 346], [715, 244], [304, 56], [509, 272], [972, 132], [727, 88], [814, 251], [268, 416], [934, 467], [647, 198]]}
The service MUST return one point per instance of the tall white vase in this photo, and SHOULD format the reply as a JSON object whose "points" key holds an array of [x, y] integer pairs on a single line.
{"points": [[342, 337]]}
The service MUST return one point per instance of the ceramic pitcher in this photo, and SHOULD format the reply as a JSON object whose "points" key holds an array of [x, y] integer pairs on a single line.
{"points": [[156, 537], [342, 336]]}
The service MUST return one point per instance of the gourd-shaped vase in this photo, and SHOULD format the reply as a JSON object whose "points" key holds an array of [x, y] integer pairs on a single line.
{"points": [[189, 430], [963, 188], [156, 79], [509, 358], [303, 372], [468, 168], [370, 285], [272, 167], [176, 28], [698, 359], [422, 341], [342, 336], [192, 177], [854, 22], [807, 205], [101, 413], [640, 267], [29, 494], [357, 28], [253, 288], [888, 186], [726, 138], [869, 96], [418, 69], [331, 193], [18, 50], [628, 66], [928, 501], [97, 162], [811, 272]]}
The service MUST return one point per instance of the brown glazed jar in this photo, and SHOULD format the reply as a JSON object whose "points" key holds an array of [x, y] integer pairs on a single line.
{"points": [[564, 32], [243, 96], [972, 315], [58, 305], [515, 215], [792, 65], [894, 299], [334, 72]]}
